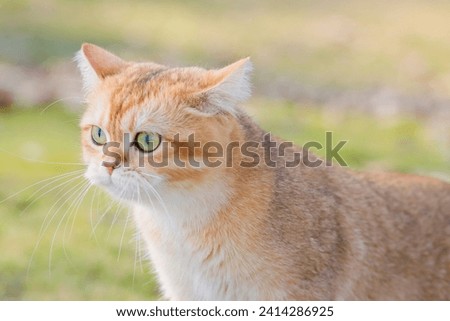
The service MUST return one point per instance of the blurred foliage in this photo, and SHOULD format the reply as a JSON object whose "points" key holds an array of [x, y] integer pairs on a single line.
{"points": [[56, 245], [399, 144], [48, 244], [342, 43]]}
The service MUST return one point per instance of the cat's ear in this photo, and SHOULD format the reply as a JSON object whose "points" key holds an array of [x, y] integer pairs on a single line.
{"points": [[229, 86], [96, 63]]}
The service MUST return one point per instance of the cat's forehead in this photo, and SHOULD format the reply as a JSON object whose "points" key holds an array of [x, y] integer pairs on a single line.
{"points": [[138, 83], [152, 85], [142, 94]]}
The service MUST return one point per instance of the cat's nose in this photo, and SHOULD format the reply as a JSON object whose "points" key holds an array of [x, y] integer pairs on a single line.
{"points": [[110, 167]]}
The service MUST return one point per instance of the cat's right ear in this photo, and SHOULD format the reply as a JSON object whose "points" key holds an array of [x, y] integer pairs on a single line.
{"points": [[96, 63]]}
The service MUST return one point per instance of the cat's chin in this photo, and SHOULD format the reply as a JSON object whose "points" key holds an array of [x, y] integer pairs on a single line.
{"points": [[125, 191], [123, 195]]}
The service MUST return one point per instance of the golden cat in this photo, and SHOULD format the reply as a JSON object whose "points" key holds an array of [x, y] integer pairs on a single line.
{"points": [[239, 228]]}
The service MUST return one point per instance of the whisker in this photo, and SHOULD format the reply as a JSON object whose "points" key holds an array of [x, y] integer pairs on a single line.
{"points": [[148, 195], [40, 182], [79, 190], [137, 239], [136, 254], [70, 179], [140, 252], [91, 214], [125, 226], [45, 224], [114, 202], [77, 201], [58, 193], [115, 217], [73, 213], [31, 160], [102, 216], [134, 264], [59, 100], [123, 235], [150, 175], [155, 192]]}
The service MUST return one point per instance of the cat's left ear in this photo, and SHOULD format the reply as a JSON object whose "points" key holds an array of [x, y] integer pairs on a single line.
{"points": [[229, 86], [96, 63]]}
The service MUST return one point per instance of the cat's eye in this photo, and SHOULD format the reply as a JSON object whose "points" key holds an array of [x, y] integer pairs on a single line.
{"points": [[147, 141], [98, 135]]}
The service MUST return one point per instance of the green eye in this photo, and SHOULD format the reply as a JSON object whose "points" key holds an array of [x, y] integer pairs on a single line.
{"points": [[98, 135], [148, 141]]}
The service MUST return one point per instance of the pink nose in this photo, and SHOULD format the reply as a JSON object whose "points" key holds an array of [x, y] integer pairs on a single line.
{"points": [[110, 168]]}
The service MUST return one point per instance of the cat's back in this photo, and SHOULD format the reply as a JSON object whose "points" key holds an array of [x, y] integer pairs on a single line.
{"points": [[412, 211], [408, 189], [366, 235], [405, 220]]}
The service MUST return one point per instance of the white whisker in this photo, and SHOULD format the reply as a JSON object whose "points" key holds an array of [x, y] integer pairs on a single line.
{"points": [[55, 178], [45, 224], [48, 191], [78, 190], [155, 192], [58, 193], [31, 160], [109, 207], [78, 98], [114, 220], [123, 235], [126, 223], [91, 214], [102, 216], [75, 211]]}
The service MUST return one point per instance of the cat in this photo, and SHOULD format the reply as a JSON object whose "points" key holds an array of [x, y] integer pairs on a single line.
{"points": [[253, 232]]}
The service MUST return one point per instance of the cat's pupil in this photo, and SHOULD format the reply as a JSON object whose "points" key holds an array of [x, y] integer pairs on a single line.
{"points": [[99, 132], [147, 139]]}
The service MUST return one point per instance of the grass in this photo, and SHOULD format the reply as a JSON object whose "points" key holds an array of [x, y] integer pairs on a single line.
{"points": [[398, 144], [71, 262], [55, 264], [401, 44]]}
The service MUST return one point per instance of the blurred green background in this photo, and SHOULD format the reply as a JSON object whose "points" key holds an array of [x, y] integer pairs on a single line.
{"points": [[376, 73]]}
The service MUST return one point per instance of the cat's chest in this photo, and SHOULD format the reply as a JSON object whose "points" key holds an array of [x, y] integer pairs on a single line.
{"points": [[191, 266], [187, 268], [184, 270]]}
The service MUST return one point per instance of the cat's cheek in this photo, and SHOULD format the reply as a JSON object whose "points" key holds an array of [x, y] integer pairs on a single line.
{"points": [[97, 175]]}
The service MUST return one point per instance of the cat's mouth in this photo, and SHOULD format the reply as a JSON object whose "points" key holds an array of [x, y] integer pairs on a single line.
{"points": [[124, 184]]}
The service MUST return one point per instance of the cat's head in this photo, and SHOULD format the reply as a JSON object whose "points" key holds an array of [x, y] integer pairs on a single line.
{"points": [[138, 112]]}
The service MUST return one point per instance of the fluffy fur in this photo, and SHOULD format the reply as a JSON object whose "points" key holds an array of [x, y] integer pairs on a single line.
{"points": [[261, 233]]}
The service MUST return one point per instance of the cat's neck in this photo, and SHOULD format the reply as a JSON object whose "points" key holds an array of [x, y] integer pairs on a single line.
{"points": [[202, 236], [186, 207]]}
